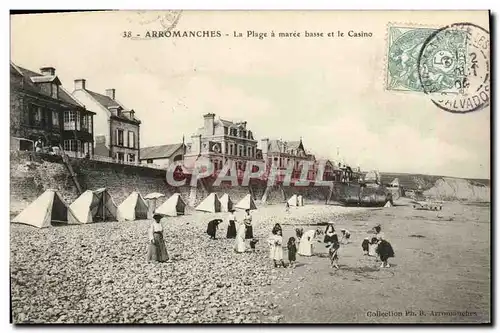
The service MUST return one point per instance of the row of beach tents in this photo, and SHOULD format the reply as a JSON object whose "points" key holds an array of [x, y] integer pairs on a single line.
{"points": [[98, 205]]}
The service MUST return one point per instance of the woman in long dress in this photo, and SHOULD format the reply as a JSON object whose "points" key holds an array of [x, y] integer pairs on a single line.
{"points": [[157, 250], [212, 228], [239, 244], [248, 223], [306, 242], [231, 229]]}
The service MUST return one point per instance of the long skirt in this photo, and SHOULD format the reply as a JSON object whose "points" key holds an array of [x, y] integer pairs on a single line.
{"points": [[249, 232], [305, 248], [157, 251], [231, 230], [385, 250], [239, 245]]}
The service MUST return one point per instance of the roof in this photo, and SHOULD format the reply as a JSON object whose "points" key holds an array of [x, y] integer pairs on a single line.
{"points": [[276, 146], [163, 151], [31, 79], [107, 102]]}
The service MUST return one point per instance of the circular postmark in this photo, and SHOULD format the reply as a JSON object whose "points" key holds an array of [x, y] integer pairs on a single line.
{"points": [[454, 68], [168, 18]]}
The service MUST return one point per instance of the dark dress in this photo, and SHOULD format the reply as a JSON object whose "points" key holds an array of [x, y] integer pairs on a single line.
{"points": [[157, 250], [212, 228], [365, 245], [231, 230], [384, 250], [249, 227], [276, 228], [292, 252]]}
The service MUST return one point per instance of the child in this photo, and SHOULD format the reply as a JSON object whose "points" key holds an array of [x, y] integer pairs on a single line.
{"points": [[252, 244], [365, 245], [345, 236], [276, 251], [287, 207], [299, 232], [292, 251], [333, 245], [372, 247]]}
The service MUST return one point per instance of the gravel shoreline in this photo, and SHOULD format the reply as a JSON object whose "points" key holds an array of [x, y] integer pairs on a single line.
{"points": [[98, 273]]}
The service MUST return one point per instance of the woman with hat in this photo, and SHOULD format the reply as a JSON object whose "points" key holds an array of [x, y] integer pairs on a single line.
{"points": [[239, 244], [157, 250]]}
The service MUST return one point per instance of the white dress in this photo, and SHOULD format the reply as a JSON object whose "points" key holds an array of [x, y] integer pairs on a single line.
{"points": [[276, 250], [239, 245], [305, 245]]}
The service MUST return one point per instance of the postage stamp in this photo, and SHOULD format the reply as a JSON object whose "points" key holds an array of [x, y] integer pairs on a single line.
{"points": [[404, 45]]}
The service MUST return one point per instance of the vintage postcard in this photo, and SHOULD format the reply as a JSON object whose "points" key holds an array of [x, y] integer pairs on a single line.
{"points": [[274, 167]]}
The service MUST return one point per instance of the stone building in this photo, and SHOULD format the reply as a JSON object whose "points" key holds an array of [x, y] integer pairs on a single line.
{"points": [[222, 140], [116, 129], [40, 108], [162, 156]]}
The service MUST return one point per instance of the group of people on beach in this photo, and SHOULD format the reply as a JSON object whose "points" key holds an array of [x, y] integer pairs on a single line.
{"points": [[301, 244]]}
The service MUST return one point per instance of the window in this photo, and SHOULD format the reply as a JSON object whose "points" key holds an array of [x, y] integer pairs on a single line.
{"points": [[36, 115], [119, 138], [249, 149], [131, 139], [120, 157], [85, 123], [131, 158], [240, 150], [72, 145], [225, 148], [243, 134], [149, 161], [225, 130], [71, 121], [55, 119]]}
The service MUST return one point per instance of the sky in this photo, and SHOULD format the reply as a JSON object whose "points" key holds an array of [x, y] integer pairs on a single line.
{"points": [[329, 91]]}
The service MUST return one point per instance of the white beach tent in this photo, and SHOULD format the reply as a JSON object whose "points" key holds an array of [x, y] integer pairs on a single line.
{"points": [[246, 203], [300, 201], [152, 201], [387, 204], [47, 208], [133, 208], [293, 201], [173, 206], [210, 204], [226, 204], [93, 206]]}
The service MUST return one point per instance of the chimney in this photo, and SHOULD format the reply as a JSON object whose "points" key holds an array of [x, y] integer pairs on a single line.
{"points": [[196, 144], [80, 84], [46, 71], [209, 123], [110, 93], [264, 145]]}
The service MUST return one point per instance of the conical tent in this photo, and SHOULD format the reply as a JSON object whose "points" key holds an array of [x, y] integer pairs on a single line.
{"points": [[173, 206], [300, 201], [293, 201], [210, 204], [133, 208], [47, 208], [93, 206], [387, 204], [226, 204], [246, 203]]}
